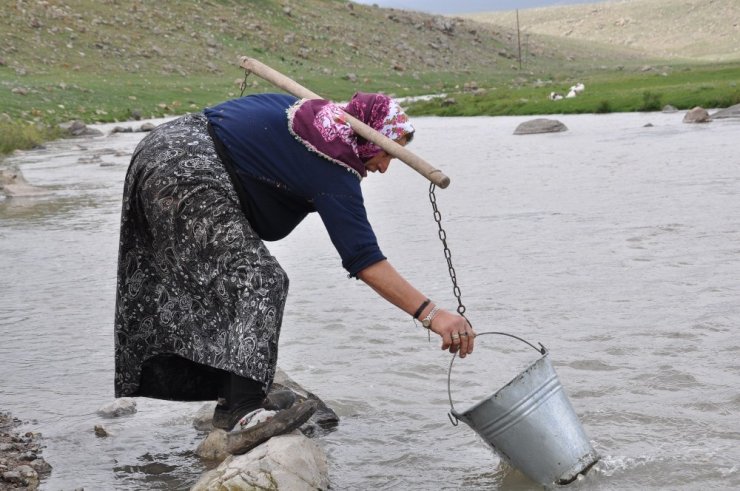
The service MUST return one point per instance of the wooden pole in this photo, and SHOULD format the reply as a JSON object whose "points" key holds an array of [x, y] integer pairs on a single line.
{"points": [[420, 165]]}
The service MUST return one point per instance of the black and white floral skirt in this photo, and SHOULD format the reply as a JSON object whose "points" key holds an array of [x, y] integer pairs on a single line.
{"points": [[198, 295]]}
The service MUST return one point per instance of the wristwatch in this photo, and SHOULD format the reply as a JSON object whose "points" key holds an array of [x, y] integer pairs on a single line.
{"points": [[427, 321]]}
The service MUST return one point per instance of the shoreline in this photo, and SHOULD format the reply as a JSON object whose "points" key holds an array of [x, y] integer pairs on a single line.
{"points": [[21, 466]]}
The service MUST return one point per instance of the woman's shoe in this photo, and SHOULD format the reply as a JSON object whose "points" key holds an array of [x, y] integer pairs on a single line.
{"points": [[242, 440], [279, 399]]}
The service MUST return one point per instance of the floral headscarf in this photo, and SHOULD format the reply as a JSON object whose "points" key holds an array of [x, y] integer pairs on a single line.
{"points": [[321, 126]]}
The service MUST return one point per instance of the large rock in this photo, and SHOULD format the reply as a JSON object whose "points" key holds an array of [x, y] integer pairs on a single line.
{"points": [[540, 125], [78, 128], [120, 407], [12, 183], [697, 115], [323, 419], [287, 462], [214, 446], [729, 112]]}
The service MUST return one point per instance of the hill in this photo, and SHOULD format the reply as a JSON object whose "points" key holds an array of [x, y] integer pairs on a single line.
{"points": [[699, 30], [108, 60]]}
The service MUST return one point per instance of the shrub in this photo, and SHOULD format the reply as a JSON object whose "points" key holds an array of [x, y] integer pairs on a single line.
{"points": [[650, 102], [23, 136], [603, 107]]}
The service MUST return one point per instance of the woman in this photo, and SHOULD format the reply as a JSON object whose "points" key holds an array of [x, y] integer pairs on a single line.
{"points": [[200, 299]]}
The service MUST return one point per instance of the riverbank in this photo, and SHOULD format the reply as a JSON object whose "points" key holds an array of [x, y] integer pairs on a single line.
{"points": [[21, 466]]}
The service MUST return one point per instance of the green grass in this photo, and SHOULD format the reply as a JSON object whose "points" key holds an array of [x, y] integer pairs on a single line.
{"points": [[708, 86], [14, 135], [106, 61]]}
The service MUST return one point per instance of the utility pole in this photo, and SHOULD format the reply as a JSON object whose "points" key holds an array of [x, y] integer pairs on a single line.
{"points": [[518, 39]]}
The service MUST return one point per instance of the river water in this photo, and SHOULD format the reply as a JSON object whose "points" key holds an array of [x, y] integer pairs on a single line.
{"points": [[615, 245]]}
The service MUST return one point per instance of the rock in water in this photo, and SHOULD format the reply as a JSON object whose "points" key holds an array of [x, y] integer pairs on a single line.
{"points": [[730, 112], [284, 462], [540, 125], [697, 115], [119, 407]]}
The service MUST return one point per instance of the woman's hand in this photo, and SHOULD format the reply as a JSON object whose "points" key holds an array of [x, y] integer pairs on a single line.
{"points": [[456, 333]]}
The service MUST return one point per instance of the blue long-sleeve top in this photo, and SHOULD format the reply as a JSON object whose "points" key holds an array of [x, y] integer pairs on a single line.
{"points": [[282, 181]]}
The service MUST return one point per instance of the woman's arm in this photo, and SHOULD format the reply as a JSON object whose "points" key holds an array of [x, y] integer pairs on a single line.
{"points": [[384, 279]]}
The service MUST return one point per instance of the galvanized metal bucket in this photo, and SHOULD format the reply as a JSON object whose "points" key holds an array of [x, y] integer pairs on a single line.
{"points": [[531, 424]]}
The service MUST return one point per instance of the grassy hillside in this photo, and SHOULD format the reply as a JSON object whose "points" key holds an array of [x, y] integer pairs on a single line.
{"points": [[104, 60], [110, 60], [700, 30]]}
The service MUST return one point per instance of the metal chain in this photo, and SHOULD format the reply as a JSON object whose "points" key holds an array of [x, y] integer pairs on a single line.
{"points": [[448, 254], [243, 85]]}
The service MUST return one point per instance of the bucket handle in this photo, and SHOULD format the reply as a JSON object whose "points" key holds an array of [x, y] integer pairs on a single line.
{"points": [[453, 414]]}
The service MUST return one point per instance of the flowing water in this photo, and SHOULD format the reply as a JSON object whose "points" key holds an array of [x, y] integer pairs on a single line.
{"points": [[615, 245]]}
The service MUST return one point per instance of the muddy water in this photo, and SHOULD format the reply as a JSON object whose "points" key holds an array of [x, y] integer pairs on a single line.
{"points": [[614, 245]]}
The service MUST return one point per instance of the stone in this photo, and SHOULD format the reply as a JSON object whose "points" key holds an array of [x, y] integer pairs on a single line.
{"points": [[729, 112], [540, 125], [203, 419], [214, 446], [669, 109], [12, 477], [697, 115], [78, 128], [120, 407], [284, 462], [122, 129], [324, 418], [12, 183], [100, 431], [147, 127]]}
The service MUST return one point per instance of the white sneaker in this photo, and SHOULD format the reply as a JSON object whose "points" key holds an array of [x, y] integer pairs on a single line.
{"points": [[252, 418]]}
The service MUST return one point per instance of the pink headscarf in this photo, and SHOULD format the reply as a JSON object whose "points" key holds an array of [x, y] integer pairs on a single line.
{"points": [[320, 125]]}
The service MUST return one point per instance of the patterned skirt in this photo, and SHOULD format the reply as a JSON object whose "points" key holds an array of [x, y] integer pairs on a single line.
{"points": [[198, 295]]}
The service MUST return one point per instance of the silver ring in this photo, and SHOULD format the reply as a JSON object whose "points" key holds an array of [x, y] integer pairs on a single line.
{"points": [[464, 334]]}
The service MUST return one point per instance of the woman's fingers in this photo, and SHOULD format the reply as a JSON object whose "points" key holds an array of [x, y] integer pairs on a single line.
{"points": [[456, 332]]}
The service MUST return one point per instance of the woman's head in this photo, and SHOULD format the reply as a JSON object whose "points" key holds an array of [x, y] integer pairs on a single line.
{"points": [[384, 115]]}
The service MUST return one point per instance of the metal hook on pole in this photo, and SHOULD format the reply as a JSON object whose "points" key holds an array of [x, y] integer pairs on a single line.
{"points": [[420, 165]]}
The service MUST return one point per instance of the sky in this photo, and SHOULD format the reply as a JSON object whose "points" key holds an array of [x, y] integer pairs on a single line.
{"points": [[467, 6]]}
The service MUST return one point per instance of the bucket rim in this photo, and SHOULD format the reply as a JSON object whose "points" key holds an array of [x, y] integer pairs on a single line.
{"points": [[454, 415]]}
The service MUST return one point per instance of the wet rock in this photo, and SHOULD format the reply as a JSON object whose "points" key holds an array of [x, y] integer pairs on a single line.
{"points": [[41, 466], [323, 419], [540, 125], [122, 129], [214, 446], [120, 407], [669, 109], [78, 128], [12, 183], [203, 419], [20, 465], [697, 115], [284, 462], [100, 431], [647, 125], [730, 112], [147, 127]]}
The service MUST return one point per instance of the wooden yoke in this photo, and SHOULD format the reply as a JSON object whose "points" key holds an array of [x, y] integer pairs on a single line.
{"points": [[291, 86]]}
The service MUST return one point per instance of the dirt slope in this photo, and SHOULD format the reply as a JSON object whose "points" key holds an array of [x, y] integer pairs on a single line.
{"points": [[702, 30]]}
